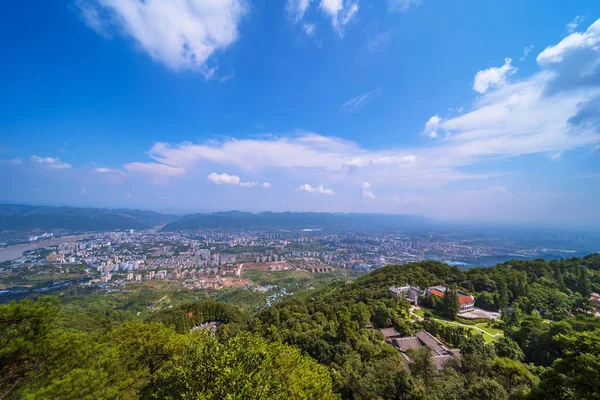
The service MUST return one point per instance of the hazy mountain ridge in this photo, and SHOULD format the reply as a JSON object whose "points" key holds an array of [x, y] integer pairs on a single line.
{"points": [[293, 220], [22, 217]]}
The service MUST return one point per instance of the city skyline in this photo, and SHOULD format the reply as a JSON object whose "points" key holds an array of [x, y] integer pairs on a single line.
{"points": [[405, 107]]}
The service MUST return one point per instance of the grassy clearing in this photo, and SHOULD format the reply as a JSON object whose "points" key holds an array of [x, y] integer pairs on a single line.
{"points": [[489, 333], [489, 329]]}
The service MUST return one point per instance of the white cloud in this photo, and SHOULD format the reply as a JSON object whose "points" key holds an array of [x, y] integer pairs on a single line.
{"points": [[341, 12], [358, 102], [551, 111], [266, 185], [226, 179], [402, 5], [493, 77], [11, 161], [182, 34], [353, 163], [297, 8], [128, 195], [309, 29], [83, 191], [432, 126], [103, 170], [556, 155], [365, 190], [394, 160], [50, 162], [223, 179], [315, 189], [554, 110], [154, 169], [590, 39], [574, 24], [526, 51], [306, 150]]}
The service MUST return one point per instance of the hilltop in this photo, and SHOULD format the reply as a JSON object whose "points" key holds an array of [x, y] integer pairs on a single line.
{"points": [[328, 343]]}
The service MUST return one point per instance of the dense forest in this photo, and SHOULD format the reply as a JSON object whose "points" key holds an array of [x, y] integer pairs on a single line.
{"points": [[321, 344]]}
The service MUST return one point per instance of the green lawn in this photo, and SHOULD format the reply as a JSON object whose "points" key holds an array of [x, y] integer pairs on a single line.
{"points": [[489, 329], [491, 332]]}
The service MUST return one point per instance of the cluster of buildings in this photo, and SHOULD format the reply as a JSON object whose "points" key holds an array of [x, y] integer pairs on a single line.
{"points": [[45, 235], [412, 294]]}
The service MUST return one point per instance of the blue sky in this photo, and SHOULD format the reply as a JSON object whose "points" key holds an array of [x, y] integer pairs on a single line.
{"points": [[469, 111]]}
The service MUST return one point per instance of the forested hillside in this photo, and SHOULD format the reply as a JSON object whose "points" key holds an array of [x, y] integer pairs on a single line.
{"points": [[294, 220], [24, 217], [321, 344]]}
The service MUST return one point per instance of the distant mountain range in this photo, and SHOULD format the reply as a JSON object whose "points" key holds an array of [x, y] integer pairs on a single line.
{"points": [[293, 220], [22, 217]]}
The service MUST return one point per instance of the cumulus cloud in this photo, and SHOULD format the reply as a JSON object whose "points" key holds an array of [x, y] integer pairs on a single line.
{"points": [[551, 111], [365, 190], [226, 179], [314, 189], [83, 191], [402, 5], [266, 185], [556, 109], [50, 162], [432, 126], [358, 102], [341, 12], [182, 34], [590, 40], [493, 77]]}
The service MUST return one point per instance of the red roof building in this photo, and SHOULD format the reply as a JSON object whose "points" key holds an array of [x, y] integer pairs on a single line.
{"points": [[466, 301]]}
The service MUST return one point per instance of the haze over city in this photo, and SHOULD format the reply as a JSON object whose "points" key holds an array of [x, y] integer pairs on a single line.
{"points": [[450, 110]]}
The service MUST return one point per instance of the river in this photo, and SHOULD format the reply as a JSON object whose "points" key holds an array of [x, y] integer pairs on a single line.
{"points": [[12, 252]]}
